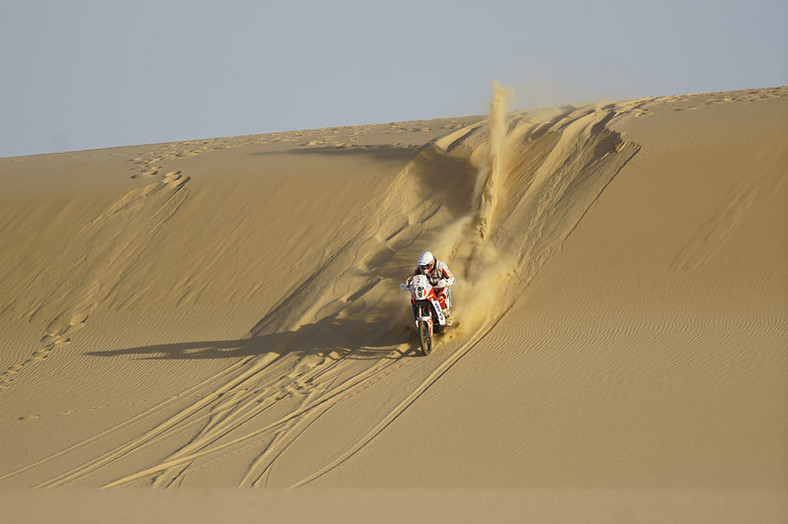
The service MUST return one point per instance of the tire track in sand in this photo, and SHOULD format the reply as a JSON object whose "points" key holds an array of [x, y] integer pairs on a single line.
{"points": [[208, 444], [139, 418], [400, 408]]}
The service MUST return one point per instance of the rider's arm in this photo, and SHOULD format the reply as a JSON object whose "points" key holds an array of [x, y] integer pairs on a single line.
{"points": [[447, 275]]}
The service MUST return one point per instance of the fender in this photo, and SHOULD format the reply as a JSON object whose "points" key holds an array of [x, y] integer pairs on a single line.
{"points": [[428, 320]]}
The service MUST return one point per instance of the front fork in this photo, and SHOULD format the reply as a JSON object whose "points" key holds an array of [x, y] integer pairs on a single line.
{"points": [[427, 315]]}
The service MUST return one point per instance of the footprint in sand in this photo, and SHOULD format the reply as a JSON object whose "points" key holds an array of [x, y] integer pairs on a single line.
{"points": [[79, 319], [174, 178], [147, 173]]}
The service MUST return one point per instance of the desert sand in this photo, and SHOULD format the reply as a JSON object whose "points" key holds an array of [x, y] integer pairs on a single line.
{"points": [[226, 313]]}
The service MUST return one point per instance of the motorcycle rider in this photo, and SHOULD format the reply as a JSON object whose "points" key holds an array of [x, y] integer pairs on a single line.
{"points": [[437, 272]]}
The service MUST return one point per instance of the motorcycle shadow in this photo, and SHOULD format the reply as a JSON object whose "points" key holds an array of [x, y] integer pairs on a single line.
{"points": [[332, 336]]}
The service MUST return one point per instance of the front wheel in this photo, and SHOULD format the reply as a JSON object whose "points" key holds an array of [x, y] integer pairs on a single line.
{"points": [[426, 338]]}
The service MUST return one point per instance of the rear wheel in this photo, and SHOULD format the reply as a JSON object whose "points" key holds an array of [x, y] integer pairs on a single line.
{"points": [[426, 338]]}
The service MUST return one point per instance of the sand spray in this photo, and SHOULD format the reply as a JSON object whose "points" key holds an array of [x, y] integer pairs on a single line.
{"points": [[480, 289], [491, 169]]}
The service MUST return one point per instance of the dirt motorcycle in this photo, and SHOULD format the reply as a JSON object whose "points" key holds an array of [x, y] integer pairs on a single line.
{"points": [[427, 308]]}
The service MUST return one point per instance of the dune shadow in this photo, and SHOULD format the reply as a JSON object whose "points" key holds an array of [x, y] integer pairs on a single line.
{"points": [[448, 179], [347, 338], [379, 152]]}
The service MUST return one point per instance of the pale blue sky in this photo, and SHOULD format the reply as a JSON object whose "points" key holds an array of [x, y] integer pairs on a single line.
{"points": [[90, 74]]}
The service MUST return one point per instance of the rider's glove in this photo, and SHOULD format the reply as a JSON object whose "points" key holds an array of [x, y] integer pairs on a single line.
{"points": [[441, 283]]}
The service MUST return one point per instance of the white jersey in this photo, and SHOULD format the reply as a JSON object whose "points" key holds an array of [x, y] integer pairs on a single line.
{"points": [[438, 273]]}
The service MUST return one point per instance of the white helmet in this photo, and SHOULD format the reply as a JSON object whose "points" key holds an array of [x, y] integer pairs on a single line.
{"points": [[426, 261]]}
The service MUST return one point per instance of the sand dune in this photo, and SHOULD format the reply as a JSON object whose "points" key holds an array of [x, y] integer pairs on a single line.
{"points": [[227, 313]]}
